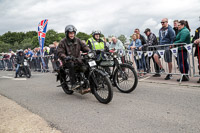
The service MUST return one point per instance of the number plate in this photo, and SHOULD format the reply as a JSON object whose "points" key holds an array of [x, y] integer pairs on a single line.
{"points": [[25, 63], [92, 63], [119, 60]]}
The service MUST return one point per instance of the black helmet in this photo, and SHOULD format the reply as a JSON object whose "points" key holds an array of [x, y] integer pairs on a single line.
{"points": [[20, 51], [70, 28], [96, 32]]}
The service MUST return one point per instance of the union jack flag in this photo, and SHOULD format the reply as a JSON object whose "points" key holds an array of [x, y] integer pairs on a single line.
{"points": [[42, 28]]}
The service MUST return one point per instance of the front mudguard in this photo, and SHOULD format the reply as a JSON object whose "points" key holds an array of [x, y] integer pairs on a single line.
{"points": [[58, 75], [104, 73], [94, 81]]}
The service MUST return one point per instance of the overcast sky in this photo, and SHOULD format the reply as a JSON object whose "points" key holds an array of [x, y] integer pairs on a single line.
{"points": [[112, 17]]}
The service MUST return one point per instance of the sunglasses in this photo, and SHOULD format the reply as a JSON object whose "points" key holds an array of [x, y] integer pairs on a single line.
{"points": [[162, 22]]}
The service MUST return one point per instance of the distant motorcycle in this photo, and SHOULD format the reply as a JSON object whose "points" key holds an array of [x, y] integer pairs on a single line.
{"points": [[95, 79], [24, 69]]}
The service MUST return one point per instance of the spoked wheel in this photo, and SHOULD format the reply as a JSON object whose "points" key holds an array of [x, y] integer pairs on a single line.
{"points": [[125, 79], [28, 73], [64, 85], [102, 88], [20, 72]]}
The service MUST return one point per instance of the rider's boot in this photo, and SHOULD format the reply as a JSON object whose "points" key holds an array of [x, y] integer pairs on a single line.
{"points": [[16, 75]]}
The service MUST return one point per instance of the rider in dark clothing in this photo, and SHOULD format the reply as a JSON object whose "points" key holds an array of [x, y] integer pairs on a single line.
{"points": [[70, 48], [20, 59]]}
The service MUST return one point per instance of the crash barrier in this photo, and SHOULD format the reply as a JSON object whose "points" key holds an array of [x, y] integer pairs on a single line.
{"points": [[196, 60], [143, 61], [183, 59], [7, 64], [39, 63]]}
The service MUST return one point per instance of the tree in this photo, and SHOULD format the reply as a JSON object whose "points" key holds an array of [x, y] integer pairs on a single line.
{"points": [[102, 35], [83, 36], [4, 47], [35, 42], [12, 37], [27, 43], [30, 34], [51, 36], [16, 46], [61, 36], [122, 38]]}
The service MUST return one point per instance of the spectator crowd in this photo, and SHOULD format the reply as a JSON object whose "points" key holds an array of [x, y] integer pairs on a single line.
{"points": [[168, 37]]}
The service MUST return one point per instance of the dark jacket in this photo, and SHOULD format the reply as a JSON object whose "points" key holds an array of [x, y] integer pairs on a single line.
{"points": [[67, 48], [20, 59], [53, 51], [196, 36], [143, 40], [151, 41], [175, 30], [166, 35]]}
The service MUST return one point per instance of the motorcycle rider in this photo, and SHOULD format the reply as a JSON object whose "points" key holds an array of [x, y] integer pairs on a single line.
{"points": [[68, 49], [98, 44], [20, 59]]}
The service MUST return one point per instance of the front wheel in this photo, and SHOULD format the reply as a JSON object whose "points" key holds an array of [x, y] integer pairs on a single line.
{"points": [[64, 85], [125, 78], [101, 87], [20, 71], [28, 73]]}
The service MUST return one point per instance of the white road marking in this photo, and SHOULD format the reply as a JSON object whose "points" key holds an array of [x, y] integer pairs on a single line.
{"points": [[144, 78], [6, 77], [12, 78], [36, 74], [19, 79]]}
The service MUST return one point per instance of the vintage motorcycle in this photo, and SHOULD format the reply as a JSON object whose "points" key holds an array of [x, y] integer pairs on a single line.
{"points": [[92, 77], [24, 69], [123, 75]]}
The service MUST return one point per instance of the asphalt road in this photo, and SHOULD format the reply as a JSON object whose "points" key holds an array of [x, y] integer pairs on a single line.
{"points": [[152, 108]]}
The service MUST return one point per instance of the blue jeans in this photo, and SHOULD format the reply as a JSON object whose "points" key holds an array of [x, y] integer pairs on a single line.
{"points": [[140, 63], [17, 69]]}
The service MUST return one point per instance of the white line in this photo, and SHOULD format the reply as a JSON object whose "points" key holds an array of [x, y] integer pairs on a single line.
{"points": [[19, 79], [144, 78], [6, 77], [37, 74], [12, 78]]}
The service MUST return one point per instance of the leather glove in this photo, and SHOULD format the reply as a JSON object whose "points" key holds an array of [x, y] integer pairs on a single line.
{"points": [[68, 58], [98, 51]]}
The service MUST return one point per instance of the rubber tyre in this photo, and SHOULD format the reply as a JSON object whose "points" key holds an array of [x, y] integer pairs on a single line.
{"points": [[28, 73], [20, 72], [127, 66], [110, 91], [65, 87]]}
